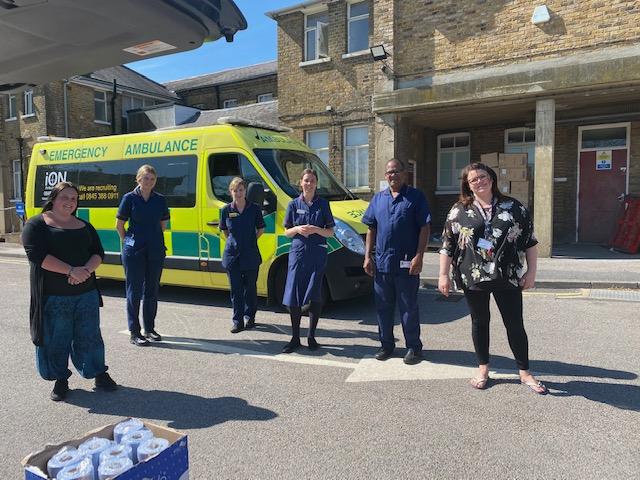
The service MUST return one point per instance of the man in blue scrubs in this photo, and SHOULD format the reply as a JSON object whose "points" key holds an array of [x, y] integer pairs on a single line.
{"points": [[398, 219]]}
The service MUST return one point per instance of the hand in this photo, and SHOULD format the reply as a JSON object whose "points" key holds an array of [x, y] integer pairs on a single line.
{"points": [[444, 284], [416, 265], [79, 275], [369, 266], [528, 280], [306, 230]]}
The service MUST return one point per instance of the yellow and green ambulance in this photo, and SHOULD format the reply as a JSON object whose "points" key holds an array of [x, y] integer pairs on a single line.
{"points": [[195, 166]]}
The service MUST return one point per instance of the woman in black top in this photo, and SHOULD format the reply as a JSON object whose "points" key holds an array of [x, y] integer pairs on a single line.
{"points": [[64, 251], [488, 239]]}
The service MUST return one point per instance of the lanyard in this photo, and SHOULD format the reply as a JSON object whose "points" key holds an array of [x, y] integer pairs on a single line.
{"points": [[486, 216]]}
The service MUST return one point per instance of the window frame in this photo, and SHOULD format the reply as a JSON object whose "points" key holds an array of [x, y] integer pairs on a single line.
{"points": [[355, 188], [319, 57], [106, 110], [225, 105], [523, 144], [351, 19], [12, 112], [16, 171], [316, 150], [268, 94], [27, 101], [449, 190]]}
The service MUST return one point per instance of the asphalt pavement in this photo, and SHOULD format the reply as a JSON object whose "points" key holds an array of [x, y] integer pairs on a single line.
{"points": [[253, 413]]}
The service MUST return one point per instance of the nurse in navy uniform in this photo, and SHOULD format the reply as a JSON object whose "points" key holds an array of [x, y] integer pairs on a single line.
{"points": [[308, 222], [242, 224]]}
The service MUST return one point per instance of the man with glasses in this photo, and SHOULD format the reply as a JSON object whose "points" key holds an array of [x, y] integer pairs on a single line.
{"points": [[398, 219]]}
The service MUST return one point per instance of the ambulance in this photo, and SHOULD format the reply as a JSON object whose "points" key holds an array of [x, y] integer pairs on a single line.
{"points": [[195, 166]]}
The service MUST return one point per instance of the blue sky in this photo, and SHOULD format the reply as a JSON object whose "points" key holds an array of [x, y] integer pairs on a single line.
{"points": [[256, 44]]}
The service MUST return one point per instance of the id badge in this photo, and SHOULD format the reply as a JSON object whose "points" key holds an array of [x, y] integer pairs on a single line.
{"points": [[405, 263], [485, 244], [300, 211], [233, 214], [129, 241]]}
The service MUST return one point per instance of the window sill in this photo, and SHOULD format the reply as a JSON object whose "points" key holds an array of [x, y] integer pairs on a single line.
{"points": [[29, 115], [359, 53], [11, 119], [447, 192], [101, 122], [360, 189], [308, 63]]}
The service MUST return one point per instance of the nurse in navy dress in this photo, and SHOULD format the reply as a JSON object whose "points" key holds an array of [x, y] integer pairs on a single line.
{"points": [[308, 222], [143, 252], [242, 224]]}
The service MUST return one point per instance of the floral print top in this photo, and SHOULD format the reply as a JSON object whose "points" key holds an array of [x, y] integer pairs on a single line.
{"points": [[510, 235]]}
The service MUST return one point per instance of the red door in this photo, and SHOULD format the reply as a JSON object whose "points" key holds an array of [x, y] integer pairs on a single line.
{"points": [[598, 201]]}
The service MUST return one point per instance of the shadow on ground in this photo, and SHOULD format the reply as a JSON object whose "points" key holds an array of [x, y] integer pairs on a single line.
{"points": [[180, 410]]}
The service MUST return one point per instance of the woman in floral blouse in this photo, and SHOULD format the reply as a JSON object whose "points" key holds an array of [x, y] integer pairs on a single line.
{"points": [[488, 239]]}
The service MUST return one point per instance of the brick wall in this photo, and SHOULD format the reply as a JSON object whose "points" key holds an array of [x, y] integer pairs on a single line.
{"points": [[440, 35], [246, 92], [634, 161]]}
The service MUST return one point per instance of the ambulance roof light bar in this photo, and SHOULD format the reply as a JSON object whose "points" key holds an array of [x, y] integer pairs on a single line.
{"points": [[51, 138]]}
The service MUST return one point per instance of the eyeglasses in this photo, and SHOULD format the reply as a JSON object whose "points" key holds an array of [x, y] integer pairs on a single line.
{"points": [[393, 172], [479, 178]]}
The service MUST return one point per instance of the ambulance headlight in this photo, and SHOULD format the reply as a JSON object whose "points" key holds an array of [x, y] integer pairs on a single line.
{"points": [[349, 237]]}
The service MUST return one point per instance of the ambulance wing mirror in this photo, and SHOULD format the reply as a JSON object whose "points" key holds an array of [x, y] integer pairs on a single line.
{"points": [[255, 193], [270, 202]]}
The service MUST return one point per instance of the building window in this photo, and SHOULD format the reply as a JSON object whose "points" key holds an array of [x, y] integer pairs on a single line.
{"points": [[356, 157], [11, 107], [316, 36], [28, 103], [358, 32], [100, 106], [17, 180], [265, 97], [521, 140], [454, 153], [230, 103], [603, 137], [318, 141]]}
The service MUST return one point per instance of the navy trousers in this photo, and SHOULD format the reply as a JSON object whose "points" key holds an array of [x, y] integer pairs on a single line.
{"points": [[401, 289], [71, 328], [142, 284], [244, 294]]}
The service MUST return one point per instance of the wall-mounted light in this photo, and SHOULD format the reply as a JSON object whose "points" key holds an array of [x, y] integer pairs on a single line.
{"points": [[540, 15], [378, 52]]}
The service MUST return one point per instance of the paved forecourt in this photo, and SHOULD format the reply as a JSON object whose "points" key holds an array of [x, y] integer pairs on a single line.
{"points": [[251, 412]]}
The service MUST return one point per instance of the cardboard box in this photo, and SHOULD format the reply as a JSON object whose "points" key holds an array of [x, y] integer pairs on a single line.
{"points": [[512, 160], [504, 187], [513, 174], [490, 159], [519, 188], [170, 464]]}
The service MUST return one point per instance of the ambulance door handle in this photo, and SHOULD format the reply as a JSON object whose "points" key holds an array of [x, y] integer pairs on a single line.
{"points": [[213, 223]]}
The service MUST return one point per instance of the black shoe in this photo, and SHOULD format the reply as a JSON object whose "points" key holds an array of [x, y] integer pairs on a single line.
{"points": [[383, 354], [153, 336], [105, 382], [60, 390], [312, 344], [138, 340], [250, 323], [291, 346], [412, 357], [236, 328]]}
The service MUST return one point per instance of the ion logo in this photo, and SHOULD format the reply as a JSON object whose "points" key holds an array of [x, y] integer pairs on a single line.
{"points": [[51, 179]]}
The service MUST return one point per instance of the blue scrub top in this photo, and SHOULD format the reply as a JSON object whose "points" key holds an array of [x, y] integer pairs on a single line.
{"points": [[241, 249], [144, 230], [397, 222], [318, 214]]}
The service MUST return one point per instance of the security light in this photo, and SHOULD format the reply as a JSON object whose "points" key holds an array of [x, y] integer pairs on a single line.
{"points": [[378, 52], [540, 15]]}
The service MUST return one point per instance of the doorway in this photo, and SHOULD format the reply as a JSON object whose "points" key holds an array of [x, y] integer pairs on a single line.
{"points": [[603, 167]]}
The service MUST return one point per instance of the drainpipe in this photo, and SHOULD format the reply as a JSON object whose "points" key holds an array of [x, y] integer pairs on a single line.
{"points": [[65, 103], [113, 108], [218, 103]]}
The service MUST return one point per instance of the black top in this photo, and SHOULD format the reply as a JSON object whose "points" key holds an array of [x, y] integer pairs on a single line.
{"points": [[501, 262], [37, 239]]}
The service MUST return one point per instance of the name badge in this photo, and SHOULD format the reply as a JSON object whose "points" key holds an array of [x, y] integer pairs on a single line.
{"points": [[129, 241], [485, 244], [405, 263], [233, 214], [300, 211]]}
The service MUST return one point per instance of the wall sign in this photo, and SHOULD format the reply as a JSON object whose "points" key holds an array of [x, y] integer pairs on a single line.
{"points": [[603, 160]]}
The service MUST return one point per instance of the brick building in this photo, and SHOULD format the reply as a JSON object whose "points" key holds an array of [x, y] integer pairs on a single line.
{"points": [[229, 88], [78, 107], [467, 77]]}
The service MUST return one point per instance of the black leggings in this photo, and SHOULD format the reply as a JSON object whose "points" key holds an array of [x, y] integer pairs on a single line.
{"points": [[296, 316], [510, 305]]}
